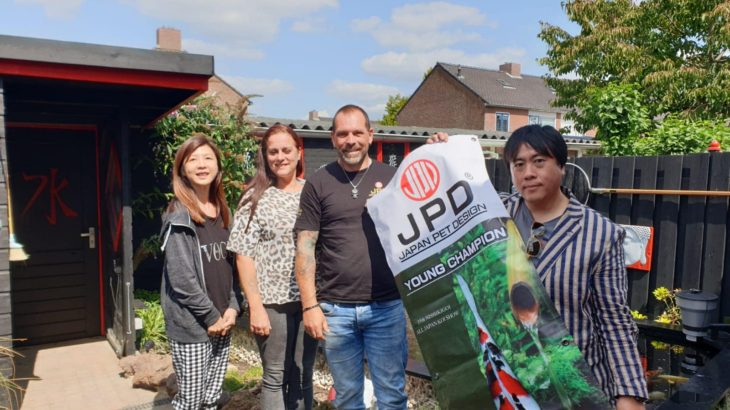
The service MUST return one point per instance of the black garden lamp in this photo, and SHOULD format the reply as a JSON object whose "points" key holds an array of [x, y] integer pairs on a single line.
{"points": [[697, 308]]}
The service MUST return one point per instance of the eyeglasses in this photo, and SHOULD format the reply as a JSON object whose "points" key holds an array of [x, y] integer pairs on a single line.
{"points": [[534, 244]]}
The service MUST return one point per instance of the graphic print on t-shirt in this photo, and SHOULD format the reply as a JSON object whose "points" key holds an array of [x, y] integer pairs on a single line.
{"points": [[217, 265], [214, 251]]}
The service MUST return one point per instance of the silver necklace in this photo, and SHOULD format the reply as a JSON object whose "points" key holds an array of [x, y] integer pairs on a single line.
{"points": [[354, 186]]}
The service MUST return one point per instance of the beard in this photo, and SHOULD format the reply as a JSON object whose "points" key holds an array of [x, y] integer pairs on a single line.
{"points": [[352, 160]]}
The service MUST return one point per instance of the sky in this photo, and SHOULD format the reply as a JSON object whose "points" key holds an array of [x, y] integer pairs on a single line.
{"points": [[304, 55]]}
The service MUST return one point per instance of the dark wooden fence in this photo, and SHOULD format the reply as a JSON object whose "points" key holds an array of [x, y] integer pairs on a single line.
{"points": [[691, 234]]}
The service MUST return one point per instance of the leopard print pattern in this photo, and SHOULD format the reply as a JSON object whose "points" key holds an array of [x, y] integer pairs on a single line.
{"points": [[270, 242]]}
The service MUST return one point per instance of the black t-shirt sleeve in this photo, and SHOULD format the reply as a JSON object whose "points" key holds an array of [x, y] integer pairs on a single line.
{"points": [[310, 210]]}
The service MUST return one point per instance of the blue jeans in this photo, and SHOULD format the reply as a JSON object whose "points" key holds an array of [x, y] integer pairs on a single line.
{"points": [[375, 330]]}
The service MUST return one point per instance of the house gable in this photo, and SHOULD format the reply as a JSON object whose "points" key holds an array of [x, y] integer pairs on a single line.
{"points": [[505, 90], [442, 101]]}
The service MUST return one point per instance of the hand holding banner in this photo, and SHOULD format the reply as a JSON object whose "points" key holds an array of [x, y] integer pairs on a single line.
{"points": [[489, 333]]}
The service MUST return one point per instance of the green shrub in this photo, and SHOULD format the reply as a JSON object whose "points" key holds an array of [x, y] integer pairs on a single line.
{"points": [[226, 127], [674, 136], [147, 295], [153, 322]]}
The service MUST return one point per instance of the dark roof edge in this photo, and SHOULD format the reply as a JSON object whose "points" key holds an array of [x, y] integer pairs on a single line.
{"points": [[95, 55], [539, 109], [397, 132], [488, 69]]}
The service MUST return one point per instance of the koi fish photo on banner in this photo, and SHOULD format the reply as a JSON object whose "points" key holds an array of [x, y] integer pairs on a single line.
{"points": [[489, 333]]}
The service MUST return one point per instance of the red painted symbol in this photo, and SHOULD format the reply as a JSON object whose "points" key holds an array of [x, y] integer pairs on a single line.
{"points": [[420, 180], [54, 193], [113, 191]]}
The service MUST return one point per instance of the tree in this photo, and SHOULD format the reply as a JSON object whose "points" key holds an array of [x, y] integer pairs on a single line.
{"points": [[392, 107], [677, 52], [227, 127], [616, 111]]}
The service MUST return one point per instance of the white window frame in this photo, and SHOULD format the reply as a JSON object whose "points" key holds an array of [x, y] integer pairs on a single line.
{"points": [[543, 118], [496, 120]]}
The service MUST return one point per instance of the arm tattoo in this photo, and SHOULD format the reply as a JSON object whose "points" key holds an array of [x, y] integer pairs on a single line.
{"points": [[306, 243]]}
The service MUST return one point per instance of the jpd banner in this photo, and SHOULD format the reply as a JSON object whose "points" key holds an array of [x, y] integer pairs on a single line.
{"points": [[489, 334]]}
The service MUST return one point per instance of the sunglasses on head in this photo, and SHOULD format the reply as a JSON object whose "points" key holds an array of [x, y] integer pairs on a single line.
{"points": [[534, 245]]}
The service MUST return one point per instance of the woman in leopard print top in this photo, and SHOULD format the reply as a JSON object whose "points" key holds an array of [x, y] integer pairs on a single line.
{"points": [[263, 239]]}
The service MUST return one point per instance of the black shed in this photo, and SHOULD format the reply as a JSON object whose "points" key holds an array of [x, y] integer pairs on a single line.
{"points": [[70, 114]]}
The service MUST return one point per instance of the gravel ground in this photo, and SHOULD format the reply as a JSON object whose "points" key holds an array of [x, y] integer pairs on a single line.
{"points": [[244, 354]]}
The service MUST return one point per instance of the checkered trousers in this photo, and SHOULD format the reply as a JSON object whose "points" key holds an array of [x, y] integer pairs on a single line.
{"points": [[200, 369]]}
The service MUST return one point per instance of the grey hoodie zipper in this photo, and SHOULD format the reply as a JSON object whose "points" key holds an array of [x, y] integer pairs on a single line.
{"points": [[197, 241]]}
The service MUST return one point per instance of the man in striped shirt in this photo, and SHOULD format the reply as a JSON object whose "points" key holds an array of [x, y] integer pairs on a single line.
{"points": [[578, 255]]}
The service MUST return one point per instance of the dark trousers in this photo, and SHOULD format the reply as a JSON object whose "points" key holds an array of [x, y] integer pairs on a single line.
{"points": [[288, 356]]}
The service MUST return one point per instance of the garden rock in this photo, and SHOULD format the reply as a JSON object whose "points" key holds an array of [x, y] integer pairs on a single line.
{"points": [[171, 385], [245, 399], [148, 370]]}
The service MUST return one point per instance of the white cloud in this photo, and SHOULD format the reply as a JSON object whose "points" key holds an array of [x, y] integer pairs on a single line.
{"points": [[196, 46], [375, 111], [368, 24], [232, 23], [309, 25], [262, 86], [425, 26], [412, 65], [61, 9], [360, 92], [438, 13]]}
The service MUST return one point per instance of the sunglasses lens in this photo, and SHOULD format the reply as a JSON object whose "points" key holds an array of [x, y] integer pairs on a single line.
{"points": [[533, 247]]}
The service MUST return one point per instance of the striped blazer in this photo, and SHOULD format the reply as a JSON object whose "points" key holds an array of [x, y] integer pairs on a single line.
{"points": [[582, 268]]}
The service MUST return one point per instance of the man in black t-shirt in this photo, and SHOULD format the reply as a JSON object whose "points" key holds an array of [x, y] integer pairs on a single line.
{"points": [[357, 311]]}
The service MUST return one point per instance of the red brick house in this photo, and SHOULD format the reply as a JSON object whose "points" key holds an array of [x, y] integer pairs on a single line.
{"points": [[170, 39], [455, 96]]}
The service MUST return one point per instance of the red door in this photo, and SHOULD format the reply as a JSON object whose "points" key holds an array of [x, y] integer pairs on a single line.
{"points": [[55, 293]]}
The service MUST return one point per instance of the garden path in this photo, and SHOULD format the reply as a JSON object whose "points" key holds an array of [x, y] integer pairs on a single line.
{"points": [[80, 374]]}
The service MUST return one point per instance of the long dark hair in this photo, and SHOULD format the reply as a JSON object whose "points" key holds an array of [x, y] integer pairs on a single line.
{"points": [[183, 189], [264, 177]]}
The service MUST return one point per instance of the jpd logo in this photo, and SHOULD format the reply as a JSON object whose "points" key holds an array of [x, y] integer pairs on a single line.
{"points": [[420, 180]]}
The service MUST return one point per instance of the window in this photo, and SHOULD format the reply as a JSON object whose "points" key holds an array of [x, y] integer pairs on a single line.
{"points": [[503, 121], [541, 119], [507, 85]]}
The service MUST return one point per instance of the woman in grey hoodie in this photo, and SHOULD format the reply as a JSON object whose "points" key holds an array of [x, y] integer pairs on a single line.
{"points": [[197, 295]]}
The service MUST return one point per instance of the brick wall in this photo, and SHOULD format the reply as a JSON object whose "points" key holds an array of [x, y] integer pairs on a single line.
{"points": [[517, 118], [169, 39], [441, 102], [222, 91]]}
